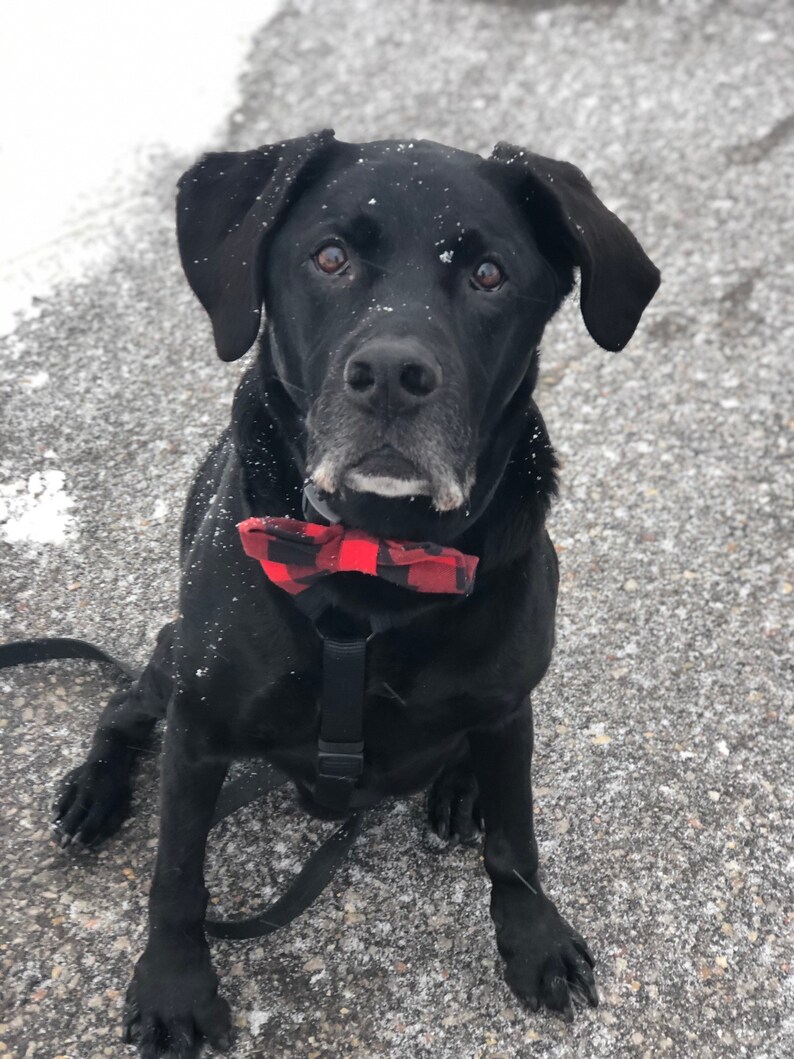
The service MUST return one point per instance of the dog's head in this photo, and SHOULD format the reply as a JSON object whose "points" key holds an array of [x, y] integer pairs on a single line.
{"points": [[406, 286]]}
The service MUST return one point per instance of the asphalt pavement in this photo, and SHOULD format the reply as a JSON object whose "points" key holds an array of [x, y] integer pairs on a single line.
{"points": [[665, 725]]}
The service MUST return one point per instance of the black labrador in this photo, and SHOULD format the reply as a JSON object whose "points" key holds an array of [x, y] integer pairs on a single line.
{"points": [[406, 288]]}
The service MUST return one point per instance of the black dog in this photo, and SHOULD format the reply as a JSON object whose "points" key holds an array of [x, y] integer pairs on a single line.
{"points": [[406, 288]]}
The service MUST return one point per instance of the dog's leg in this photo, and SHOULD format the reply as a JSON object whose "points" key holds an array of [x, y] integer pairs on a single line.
{"points": [[547, 962], [94, 799], [453, 804], [172, 1001]]}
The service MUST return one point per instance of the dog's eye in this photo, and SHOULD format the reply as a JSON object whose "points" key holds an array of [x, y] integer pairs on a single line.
{"points": [[330, 258], [488, 276]]}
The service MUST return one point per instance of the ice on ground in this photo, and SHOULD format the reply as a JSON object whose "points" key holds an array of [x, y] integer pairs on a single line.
{"points": [[36, 511]]}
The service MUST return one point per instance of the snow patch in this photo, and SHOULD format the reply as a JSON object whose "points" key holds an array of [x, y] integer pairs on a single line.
{"points": [[257, 1020], [35, 511], [65, 188], [36, 380]]}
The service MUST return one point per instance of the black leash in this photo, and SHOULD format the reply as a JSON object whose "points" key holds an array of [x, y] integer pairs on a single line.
{"points": [[320, 868], [50, 648], [307, 885], [313, 877]]}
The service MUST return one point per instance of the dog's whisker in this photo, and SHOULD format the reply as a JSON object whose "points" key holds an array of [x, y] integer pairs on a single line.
{"points": [[529, 298], [289, 385], [394, 694], [377, 265], [529, 886]]}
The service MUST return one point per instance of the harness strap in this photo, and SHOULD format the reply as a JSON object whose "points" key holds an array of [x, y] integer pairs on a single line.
{"points": [[340, 751]]}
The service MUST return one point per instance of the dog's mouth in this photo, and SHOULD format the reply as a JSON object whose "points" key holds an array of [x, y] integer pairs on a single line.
{"points": [[386, 472]]}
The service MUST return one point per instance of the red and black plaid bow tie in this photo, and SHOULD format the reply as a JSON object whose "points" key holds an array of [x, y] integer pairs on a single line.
{"points": [[295, 555]]}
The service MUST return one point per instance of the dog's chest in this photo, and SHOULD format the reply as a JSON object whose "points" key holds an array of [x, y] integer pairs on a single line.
{"points": [[398, 706], [413, 714]]}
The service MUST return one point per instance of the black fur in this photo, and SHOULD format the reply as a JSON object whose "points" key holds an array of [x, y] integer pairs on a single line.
{"points": [[447, 693]]}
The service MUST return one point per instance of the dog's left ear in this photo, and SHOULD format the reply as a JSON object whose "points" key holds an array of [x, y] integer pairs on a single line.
{"points": [[226, 207], [618, 278]]}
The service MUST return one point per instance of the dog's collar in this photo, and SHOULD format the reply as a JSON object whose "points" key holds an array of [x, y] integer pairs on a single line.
{"points": [[314, 507]]}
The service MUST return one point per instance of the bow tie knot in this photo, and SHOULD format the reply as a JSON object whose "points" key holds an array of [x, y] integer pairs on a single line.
{"points": [[294, 555]]}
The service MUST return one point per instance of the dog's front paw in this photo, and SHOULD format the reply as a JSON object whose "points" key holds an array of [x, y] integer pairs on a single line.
{"points": [[92, 803], [546, 961], [453, 807], [173, 1007]]}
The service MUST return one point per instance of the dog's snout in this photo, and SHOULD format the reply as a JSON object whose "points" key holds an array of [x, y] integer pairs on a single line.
{"points": [[391, 376]]}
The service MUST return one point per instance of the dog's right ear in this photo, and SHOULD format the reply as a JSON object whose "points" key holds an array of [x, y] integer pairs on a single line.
{"points": [[226, 207]]}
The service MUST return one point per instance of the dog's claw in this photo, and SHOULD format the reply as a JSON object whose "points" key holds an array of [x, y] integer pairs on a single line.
{"points": [[585, 992], [581, 947]]}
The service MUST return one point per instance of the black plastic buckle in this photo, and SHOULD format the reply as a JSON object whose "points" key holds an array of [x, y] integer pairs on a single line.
{"points": [[340, 760]]}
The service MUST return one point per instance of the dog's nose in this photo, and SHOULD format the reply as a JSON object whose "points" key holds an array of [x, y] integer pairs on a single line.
{"points": [[391, 377]]}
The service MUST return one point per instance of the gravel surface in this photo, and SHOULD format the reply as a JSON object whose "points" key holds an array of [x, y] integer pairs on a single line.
{"points": [[664, 728]]}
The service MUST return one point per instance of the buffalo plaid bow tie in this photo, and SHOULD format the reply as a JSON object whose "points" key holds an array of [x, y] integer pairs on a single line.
{"points": [[295, 555]]}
